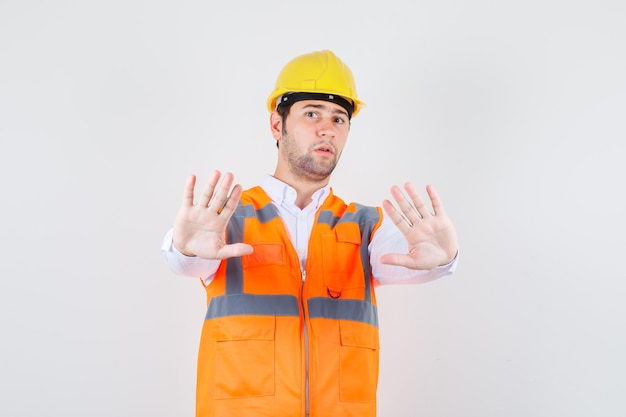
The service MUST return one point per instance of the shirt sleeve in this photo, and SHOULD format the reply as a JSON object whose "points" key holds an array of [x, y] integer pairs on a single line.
{"points": [[190, 266], [388, 239]]}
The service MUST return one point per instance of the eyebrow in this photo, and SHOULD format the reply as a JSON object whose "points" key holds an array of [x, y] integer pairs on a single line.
{"points": [[325, 107]]}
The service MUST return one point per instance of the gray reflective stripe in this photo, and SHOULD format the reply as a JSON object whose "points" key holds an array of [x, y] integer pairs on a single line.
{"points": [[363, 216], [234, 234], [327, 217], [366, 218], [346, 309], [234, 268], [264, 214], [369, 217], [253, 305]]}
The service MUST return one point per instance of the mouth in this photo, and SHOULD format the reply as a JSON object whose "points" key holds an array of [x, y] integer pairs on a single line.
{"points": [[324, 149]]}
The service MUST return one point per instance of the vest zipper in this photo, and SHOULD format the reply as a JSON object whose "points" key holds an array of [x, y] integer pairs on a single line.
{"points": [[306, 348]]}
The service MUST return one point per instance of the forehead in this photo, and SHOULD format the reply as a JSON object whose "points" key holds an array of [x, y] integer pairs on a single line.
{"points": [[319, 104]]}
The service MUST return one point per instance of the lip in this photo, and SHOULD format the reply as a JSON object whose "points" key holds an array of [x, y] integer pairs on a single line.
{"points": [[325, 149]]}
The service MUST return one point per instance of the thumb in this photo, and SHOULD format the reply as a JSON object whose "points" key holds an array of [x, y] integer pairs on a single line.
{"points": [[395, 259], [234, 250]]}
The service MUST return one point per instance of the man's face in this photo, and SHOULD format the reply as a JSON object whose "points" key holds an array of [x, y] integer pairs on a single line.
{"points": [[313, 136]]}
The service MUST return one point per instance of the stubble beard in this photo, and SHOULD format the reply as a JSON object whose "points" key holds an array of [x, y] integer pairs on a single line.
{"points": [[304, 165]]}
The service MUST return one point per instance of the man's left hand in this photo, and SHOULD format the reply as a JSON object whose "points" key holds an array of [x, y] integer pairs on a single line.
{"points": [[431, 236]]}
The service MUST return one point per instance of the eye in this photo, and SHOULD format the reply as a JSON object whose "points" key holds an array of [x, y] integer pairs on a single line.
{"points": [[340, 120], [311, 114]]}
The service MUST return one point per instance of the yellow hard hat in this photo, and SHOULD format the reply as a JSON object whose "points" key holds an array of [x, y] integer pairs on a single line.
{"points": [[321, 75]]}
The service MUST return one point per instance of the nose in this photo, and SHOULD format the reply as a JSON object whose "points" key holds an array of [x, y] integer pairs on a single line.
{"points": [[326, 128]]}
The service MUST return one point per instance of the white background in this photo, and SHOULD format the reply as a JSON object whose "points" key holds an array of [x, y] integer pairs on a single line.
{"points": [[514, 110]]}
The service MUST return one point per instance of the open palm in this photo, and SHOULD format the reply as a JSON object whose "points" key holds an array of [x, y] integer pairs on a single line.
{"points": [[431, 237], [199, 229]]}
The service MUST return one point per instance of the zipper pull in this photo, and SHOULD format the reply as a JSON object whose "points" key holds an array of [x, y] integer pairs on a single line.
{"points": [[303, 275]]}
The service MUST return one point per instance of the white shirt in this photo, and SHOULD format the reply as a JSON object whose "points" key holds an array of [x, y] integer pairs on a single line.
{"points": [[299, 222]]}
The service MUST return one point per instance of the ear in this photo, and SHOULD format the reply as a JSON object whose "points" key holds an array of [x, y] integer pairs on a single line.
{"points": [[276, 125]]}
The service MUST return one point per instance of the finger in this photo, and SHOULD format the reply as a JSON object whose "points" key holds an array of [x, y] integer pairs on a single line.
{"points": [[401, 223], [209, 188], [419, 204], [221, 195], [188, 192], [231, 203], [435, 201], [407, 208]]}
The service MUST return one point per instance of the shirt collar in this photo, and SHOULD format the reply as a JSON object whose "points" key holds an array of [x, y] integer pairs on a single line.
{"points": [[281, 193]]}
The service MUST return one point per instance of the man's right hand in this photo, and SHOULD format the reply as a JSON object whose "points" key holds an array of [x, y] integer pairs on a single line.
{"points": [[199, 229]]}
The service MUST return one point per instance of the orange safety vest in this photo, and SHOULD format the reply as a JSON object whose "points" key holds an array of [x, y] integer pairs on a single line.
{"points": [[278, 345]]}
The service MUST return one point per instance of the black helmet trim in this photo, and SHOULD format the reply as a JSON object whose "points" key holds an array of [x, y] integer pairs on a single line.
{"points": [[290, 98]]}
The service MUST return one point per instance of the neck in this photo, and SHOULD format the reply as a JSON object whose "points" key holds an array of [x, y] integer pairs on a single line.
{"points": [[304, 187]]}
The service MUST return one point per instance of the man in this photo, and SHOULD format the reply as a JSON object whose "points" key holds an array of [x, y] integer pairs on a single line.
{"points": [[289, 269]]}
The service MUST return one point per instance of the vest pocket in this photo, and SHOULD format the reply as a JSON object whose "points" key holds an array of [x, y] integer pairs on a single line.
{"points": [[358, 368], [265, 254], [341, 257], [244, 363]]}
